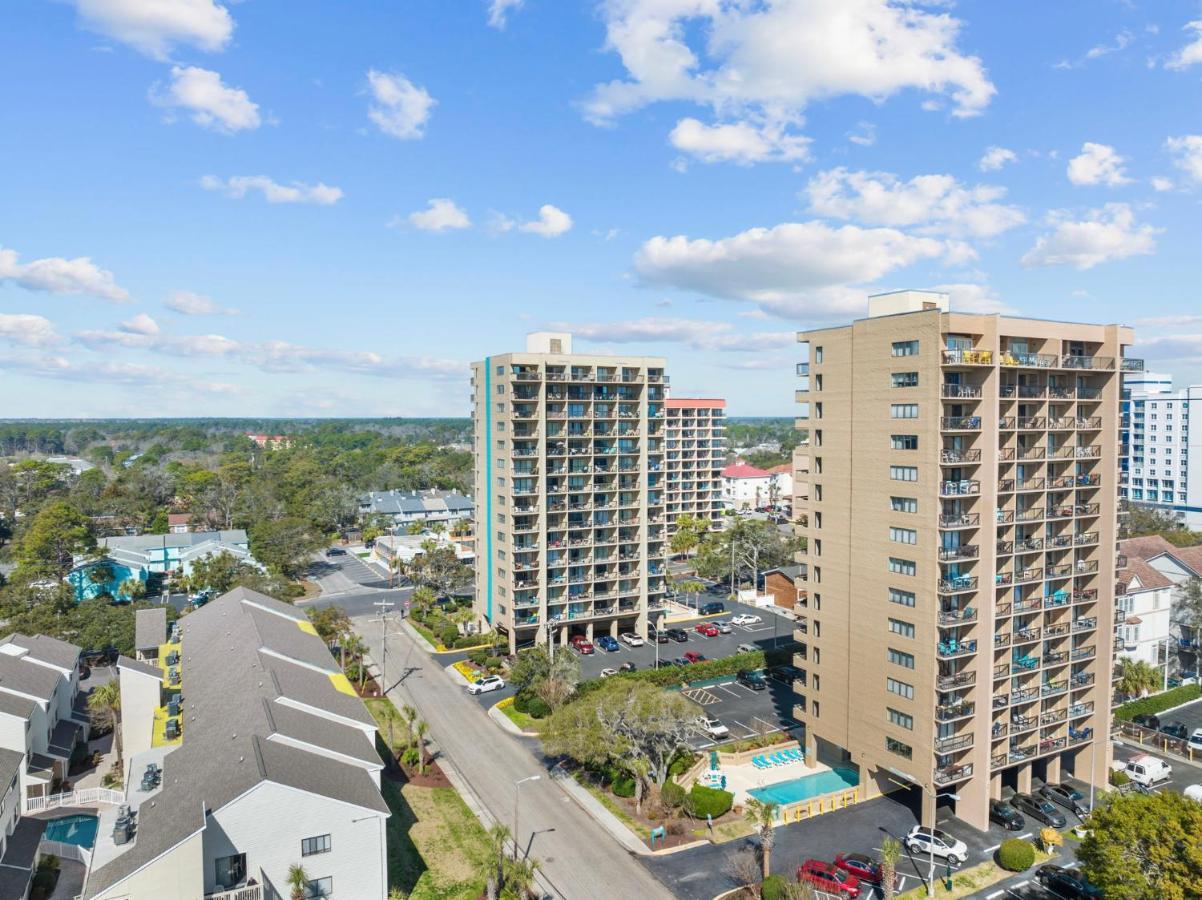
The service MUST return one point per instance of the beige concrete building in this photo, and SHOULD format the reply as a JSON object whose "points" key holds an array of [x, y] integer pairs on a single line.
{"points": [[696, 452], [570, 514], [959, 496]]}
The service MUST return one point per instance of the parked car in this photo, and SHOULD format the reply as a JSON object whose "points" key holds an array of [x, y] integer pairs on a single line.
{"points": [[1176, 730], [665, 663], [713, 608], [1067, 796], [627, 667], [1006, 815], [678, 634], [712, 727], [630, 639], [751, 679], [746, 648], [486, 684], [785, 674], [1150, 722], [1193, 792], [609, 643], [745, 619], [707, 628], [1040, 809], [1195, 740], [861, 866], [922, 841], [335, 551], [582, 645], [693, 657], [659, 635], [723, 627], [606, 673], [1067, 883], [1147, 770], [827, 877]]}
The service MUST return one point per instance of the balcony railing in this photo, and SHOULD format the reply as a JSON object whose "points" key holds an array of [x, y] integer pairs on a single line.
{"points": [[968, 357], [1031, 422], [1026, 391], [952, 711], [958, 585], [1101, 363], [961, 391], [961, 520], [964, 488], [249, 892], [957, 681], [957, 616], [1127, 364], [951, 774], [953, 649], [955, 457], [1028, 360], [960, 423], [952, 744], [964, 551]]}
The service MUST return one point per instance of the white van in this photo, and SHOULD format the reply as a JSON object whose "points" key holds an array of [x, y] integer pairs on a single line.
{"points": [[1194, 792], [1148, 770]]}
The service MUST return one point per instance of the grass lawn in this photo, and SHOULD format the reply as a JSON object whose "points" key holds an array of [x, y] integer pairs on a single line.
{"points": [[524, 721], [607, 800], [967, 882]]}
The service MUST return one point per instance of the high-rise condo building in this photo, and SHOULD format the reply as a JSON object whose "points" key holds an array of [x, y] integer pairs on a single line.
{"points": [[960, 496], [1162, 459], [695, 454], [570, 502]]}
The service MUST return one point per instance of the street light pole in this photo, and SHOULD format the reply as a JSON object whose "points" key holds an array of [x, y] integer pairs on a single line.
{"points": [[517, 792], [384, 606], [931, 843]]}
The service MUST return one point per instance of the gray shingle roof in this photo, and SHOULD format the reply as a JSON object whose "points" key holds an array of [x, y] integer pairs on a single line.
{"points": [[150, 628], [135, 665], [48, 650], [140, 543], [24, 677], [10, 766], [434, 501], [310, 729], [11, 704]]}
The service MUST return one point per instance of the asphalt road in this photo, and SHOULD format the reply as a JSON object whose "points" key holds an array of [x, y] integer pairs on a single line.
{"points": [[579, 858], [349, 582]]}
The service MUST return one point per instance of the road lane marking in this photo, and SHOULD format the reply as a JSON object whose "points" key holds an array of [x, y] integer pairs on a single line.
{"points": [[1023, 837], [993, 895], [991, 849]]}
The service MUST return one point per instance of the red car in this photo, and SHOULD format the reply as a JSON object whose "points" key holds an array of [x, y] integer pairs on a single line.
{"points": [[827, 877], [693, 657], [583, 646], [860, 866], [709, 629]]}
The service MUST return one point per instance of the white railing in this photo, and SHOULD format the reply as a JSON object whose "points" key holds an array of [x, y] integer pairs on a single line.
{"points": [[62, 850], [251, 892], [85, 797]]}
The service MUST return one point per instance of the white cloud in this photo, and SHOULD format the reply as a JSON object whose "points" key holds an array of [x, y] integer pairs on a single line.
{"points": [[57, 275], [864, 135], [1170, 321], [1122, 40], [1097, 164], [1187, 153], [738, 142], [140, 324], [498, 11], [1171, 346], [795, 269], [401, 108], [1191, 53], [1162, 184], [441, 214], [698, 334], [188, 303], [29, 330], [775, 58], [239, 186], [938, 202], [155, 26], [974, 298], [551, 222], [995, 158], [1105, 234], [212, 103]]}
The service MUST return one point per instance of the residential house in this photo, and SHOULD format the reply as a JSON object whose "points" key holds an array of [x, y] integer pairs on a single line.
{"points": [[748, 487], [19, 837], [1149, 623], [404, 508], [179, 523], [271, 441], [150, 632], [146, 555], [787, 586]]}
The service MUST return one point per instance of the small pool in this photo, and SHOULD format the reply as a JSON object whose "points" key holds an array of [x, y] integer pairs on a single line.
{"points": [[78, 830], [808, 786]]}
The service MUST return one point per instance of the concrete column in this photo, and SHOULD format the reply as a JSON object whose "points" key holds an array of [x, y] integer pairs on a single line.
{"points": [[995, 787], [1054, 769], [563, 635], [1024, 778], [588, 630], [928, 810], [613, 628], [973, 805], [811, 750]]}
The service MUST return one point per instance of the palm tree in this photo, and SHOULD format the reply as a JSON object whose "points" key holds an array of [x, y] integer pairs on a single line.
{"points": [[105, 702], [298, 880], [1137, 678], [891, 850], [408, 716], [132, 589], [762, 817], [494, 876], [353, 646], [419, 736], [519, 878]]}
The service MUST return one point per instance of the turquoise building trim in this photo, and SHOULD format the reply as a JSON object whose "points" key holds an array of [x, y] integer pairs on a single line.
{"points": [[488, 483], [81, 581]]}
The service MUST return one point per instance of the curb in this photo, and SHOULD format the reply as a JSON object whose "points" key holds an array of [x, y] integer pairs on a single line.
{"points": [[508, 724], [602, 816]]}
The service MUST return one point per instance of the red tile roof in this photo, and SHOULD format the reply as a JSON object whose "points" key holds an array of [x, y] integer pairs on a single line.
{"points": [[782, 469], [742, 470], [1142, 549]]}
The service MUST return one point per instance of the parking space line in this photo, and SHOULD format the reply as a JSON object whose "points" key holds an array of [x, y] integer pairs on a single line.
{"points": [[994, 894], [991, 849], [1023, 837]]}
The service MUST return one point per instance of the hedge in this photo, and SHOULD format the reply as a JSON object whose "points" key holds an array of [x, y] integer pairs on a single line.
{"points": [[705, 801], [538, 708], [672, 794], [710, 668], [1119, 778], [1016, 855], [623, 786], [1158, 703], [774, 887]]}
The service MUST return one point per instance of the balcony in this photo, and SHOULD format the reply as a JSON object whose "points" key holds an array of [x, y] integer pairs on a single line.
{"points": [[1097, 363], [954, 649], [1026, 391], [1052, 688], [1088, 652], [964, 488], [1031, 423], [952, 711], [945, 775], [247, 892], [1027, 454], [961, 392], [957, 681], [961, 520], [968, 357], [1011, 359], [953, 744], [1070, 452], [960, 423], [964, 551], [952, 617], [1127, 364], [958, 585]]}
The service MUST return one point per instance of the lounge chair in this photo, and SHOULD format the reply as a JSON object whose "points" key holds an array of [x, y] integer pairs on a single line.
{"points": [[795, 754], [758, 762]]}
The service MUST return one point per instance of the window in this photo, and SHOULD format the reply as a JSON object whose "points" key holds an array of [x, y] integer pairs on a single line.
{"points": [[903, 442], [900, 719], [903, 750], [314, 845], [898, 658], [903, 535], [903, 473], [230, 871], [903, 504], [904, 379], [904, 410], [319, 889], [900, 688], [900, 597], [818, 354], [905, 629], [905, 348], [902, 566]]}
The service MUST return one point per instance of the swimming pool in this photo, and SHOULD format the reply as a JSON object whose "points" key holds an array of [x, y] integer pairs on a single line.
{"points": [[78, 830], [807, 786]]}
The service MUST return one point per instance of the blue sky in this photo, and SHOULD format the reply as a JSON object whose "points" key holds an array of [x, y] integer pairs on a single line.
{"points": [[320, 209]]}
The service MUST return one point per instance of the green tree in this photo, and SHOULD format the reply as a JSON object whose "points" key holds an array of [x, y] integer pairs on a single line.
{"points": [[104, 702], [689, 530], [285, 545], [751, 545], [761, 816], [1137, 678], [438, 568], [218, 572], [1145, 846], [298, 882], [891, 851], [132, 589], [57, 534]]}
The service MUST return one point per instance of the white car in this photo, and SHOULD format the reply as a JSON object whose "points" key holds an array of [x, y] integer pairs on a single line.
{"points": [[712, 727], [486, 684], [927, 841], [745, 619], [1195, 740], [606, 673], [631, 639]]}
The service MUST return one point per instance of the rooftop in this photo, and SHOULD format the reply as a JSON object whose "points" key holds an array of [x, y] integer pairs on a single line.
{"points": [[150, 628], [142, 542], [742, 470]]}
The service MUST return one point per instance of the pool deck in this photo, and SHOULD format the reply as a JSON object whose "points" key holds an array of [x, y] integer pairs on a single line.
{"points": [[745, 777]]}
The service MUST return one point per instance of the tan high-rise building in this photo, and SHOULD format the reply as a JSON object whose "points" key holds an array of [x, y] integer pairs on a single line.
{"points": [[696, 452], [959, 496], [570, 521]]}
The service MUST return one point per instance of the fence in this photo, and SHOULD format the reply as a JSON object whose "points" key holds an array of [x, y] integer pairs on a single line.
{"points": [[796, 812], [85, 797], [62, 850]]}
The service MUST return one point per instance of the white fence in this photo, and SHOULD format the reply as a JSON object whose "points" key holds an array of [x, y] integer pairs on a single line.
{"points": [[63, 850], [86, 797]]}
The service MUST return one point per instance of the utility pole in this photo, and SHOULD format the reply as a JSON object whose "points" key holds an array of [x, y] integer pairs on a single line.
{"points": [[385, 606]]}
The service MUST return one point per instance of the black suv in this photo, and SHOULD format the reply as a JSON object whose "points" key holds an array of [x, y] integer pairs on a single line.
{"points": [[1175, 730], [1006, 815], [659, 635], [751, 679], [678, 634], [1066, 883], [712, 609], [1145, 721]]}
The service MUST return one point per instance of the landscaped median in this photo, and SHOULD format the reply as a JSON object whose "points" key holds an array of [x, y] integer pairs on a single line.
{"points": [[1018, 855], [525, 722]]}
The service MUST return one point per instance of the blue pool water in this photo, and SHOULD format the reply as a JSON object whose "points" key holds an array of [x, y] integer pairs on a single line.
{"points": [[78, 830], [807, 786]]}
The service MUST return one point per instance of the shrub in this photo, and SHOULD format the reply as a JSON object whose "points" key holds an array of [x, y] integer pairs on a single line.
{"points": [[672, 795], [538, 708], [521, 701], [494, 663], [1016, 855], [775, 887], [623, 786], [410, 757], [710, 668], [682, 763], [1119, 778], [467, 640], [703, 801], [1158, 703], [448, 634], [478, 657]]}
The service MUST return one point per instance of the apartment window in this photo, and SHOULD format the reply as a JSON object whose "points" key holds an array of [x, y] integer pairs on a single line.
{"points": [[902, 566], [903, 473], [904, 379], [500, 370], [900, 597], [900, 719], [900, 688], [817, 354], [903, 750], [903, 504], [898, 658], [904, 410], [905, 629], [229, 871], [905, 348], [314, 845], [903, 535], [319, 889], [903, 442]]}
